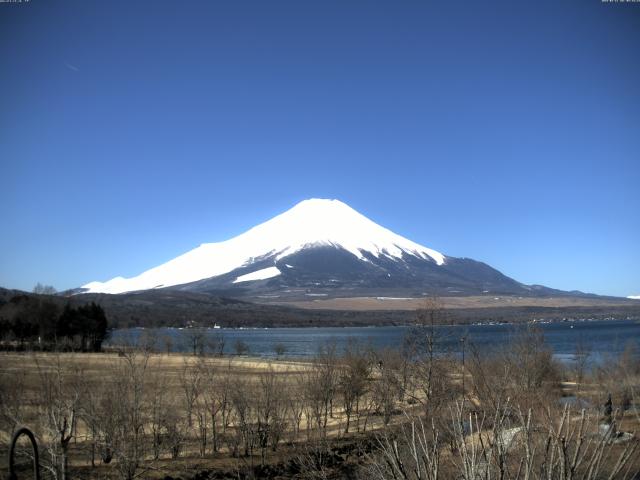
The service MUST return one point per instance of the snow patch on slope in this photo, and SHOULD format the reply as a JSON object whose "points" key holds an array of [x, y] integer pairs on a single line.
{"points": [[634, 297], [310, 223], [263, 274]]}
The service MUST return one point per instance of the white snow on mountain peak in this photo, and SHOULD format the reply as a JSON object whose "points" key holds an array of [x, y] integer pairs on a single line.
{"points": [[314, 222], [634, 297], [263, 274]]}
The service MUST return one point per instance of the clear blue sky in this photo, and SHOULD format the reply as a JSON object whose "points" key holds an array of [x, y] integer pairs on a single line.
{"points": [[508, 132]]}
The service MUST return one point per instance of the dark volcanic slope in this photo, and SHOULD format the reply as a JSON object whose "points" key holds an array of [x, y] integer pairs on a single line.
{"points": [[334, 272]]}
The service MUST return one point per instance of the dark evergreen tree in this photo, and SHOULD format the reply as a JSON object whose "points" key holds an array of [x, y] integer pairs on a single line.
{"points": [[47, 316], [99, 326], [66, 323], [23, 317], [37, 320]]}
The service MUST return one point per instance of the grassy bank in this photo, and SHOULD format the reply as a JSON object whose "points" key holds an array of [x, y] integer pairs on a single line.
{"points": [[133, 413]]}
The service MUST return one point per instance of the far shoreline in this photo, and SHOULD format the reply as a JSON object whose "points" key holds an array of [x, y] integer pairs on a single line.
{"points": [[407, 325]]}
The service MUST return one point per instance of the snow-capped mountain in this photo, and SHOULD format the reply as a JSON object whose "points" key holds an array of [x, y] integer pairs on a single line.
{"points": [[318, 247]]}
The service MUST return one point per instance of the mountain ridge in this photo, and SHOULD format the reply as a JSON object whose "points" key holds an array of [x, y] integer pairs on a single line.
{"points": [[320, 248], [310, 223]]}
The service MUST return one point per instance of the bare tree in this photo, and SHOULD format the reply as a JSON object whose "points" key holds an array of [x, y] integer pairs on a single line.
{"points": [[353, 380], [386, 388], [523, 371], [533, 379], [126, 419], [158, 407], [314, 459], [279, 349], [296, 405], [90, 414], [619, 377], [242, 399], [563, 447], [202, 406], [429, 380], [175, 431], [59, 409], [413, 453], [167, 342], [41, 289], [12, 396], [190, 382], [216, 391], [241, 347], [216, 343], [195, 340], [491, 378], [148, 341], [580, 361], [270, 411], [320, 384]]}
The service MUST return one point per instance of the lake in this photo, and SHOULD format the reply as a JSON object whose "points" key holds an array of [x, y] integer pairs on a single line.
{"points": [[602, 338]]}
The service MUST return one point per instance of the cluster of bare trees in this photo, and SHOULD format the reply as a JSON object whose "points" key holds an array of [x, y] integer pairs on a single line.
{"points": [[65, 405], [619, 376], [510, 445], [130, 414], [132, 411], [495, 415], [510, 423]]}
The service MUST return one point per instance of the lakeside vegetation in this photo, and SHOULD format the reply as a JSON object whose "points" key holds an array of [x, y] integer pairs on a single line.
{"points": [[409, 412]]}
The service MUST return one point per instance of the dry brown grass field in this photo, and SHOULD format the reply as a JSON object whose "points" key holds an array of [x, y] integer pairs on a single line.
{"points": [[169, 375], [132, 414], [484, 301]]}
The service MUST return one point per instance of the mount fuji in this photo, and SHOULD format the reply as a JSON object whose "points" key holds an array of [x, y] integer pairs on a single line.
{"points": [[320, 248]]}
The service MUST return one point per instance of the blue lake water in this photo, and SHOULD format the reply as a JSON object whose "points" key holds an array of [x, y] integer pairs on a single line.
{"points": [[602, 338]]}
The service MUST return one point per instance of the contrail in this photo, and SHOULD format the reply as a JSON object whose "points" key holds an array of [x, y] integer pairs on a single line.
{"points": [[72, 67]]}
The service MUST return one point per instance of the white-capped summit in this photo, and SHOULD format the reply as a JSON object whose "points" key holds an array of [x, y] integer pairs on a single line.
{"points": [[310, 223]]}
